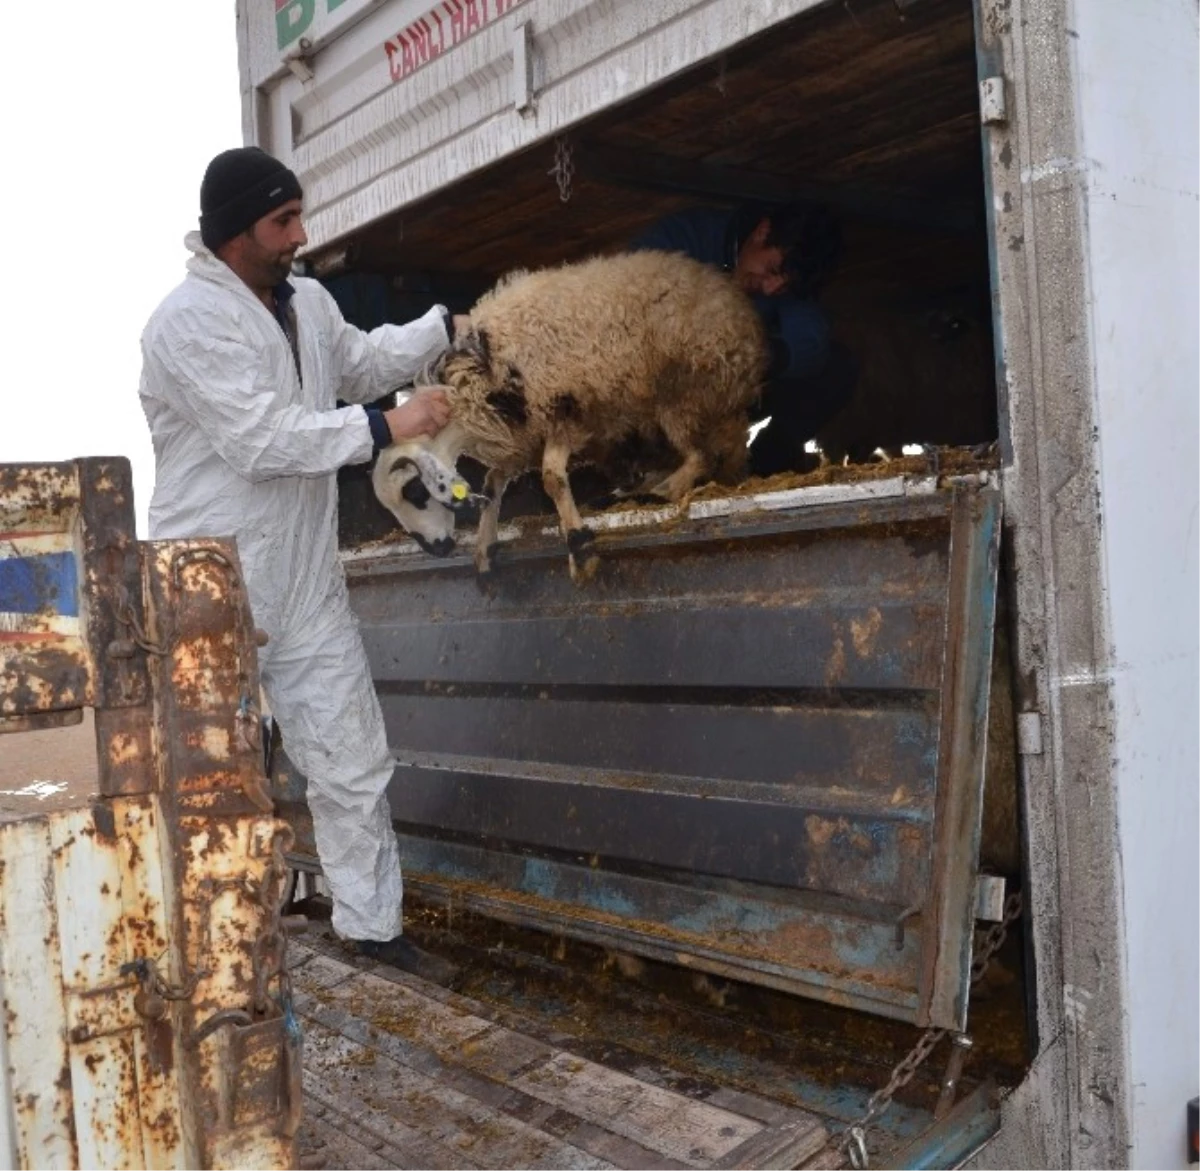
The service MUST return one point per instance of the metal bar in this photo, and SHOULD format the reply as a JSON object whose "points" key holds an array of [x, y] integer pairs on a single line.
{"points": [[222, 848], [523, 68], [849, 514], [970, 619], [953, 1139], [111, 580]]}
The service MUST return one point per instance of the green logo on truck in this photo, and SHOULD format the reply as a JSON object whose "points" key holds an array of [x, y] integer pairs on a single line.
{"points": [[293, 17]]}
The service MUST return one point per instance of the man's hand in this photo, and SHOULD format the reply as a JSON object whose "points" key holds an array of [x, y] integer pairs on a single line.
{"points": [[426, 413]]}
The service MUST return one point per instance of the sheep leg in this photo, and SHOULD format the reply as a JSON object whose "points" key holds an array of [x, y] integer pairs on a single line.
{"points": [[582, 558], [643, 488], [489, 520], [684, 435], [683, 478]]}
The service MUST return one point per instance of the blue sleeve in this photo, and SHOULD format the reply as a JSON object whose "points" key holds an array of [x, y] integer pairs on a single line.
{"points": [[803, 331], [701, 233], [667, 235], [381, 433]]}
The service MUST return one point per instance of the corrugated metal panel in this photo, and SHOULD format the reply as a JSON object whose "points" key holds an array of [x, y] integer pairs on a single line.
{"points": [[369, 133], [753, 745]]}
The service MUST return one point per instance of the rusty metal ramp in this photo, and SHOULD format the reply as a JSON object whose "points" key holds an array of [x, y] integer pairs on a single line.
{"points": [[753, 745], [400, 1073]]}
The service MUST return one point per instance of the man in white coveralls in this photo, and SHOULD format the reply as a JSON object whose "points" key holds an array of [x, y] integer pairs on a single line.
{"points": [[243, 366]]}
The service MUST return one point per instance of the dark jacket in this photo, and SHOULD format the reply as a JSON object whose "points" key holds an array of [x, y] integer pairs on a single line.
{"points": [[797, 328]]}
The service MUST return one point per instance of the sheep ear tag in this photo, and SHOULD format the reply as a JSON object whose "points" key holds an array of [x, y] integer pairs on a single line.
{"points": [[461, 496]]}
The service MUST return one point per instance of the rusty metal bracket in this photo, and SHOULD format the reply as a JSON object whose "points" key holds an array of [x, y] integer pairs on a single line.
{"points": [[189, 556], [218, 1020], [901, 919]]}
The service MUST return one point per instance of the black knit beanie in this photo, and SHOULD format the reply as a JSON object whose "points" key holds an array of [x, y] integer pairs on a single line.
{"points": [[239, 188]]}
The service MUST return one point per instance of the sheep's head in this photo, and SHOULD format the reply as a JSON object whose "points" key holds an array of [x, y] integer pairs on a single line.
{"points": [[466, 362], [422, 492]]}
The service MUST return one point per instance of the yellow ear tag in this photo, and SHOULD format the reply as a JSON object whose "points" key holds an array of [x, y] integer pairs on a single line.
{"points": [[458, 491]]}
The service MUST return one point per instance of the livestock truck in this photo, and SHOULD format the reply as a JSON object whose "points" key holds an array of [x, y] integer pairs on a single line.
{"points": [[845, 818]]}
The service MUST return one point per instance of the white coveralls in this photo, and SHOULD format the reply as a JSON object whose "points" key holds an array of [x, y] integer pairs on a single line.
{"points": [[245, 448]]}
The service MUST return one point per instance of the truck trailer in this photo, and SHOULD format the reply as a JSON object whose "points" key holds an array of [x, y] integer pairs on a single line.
{"points": [[845, 818]]}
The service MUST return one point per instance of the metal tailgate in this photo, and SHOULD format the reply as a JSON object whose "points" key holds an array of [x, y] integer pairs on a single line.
{"points": [[754, 745], [145, 1011]]}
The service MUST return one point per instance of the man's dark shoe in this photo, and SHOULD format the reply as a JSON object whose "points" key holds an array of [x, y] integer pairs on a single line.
{"points": [[405, 955]]}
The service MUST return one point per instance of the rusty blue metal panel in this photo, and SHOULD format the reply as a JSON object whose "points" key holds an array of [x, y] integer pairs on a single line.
{"points": [[70, 602], [45, 663], [753, 746], [35, 583]]}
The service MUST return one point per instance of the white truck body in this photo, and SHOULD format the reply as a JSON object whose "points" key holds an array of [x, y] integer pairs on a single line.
{"points": [[1090, 159]]}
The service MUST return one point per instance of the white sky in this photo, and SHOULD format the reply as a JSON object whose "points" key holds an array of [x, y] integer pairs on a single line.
{"points": [[113, 112]]}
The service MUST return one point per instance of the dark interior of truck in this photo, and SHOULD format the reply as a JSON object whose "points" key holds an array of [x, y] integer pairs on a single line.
{"points": [[870, 107]]}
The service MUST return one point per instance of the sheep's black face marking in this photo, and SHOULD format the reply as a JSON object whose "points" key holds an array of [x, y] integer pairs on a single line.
{"points": [[416, 493], [566, 408], [509, 404], [442, 547], [412, 497], [483, 346]]}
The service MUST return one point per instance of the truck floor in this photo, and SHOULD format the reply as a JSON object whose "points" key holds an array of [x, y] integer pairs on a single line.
{"points": [[400, 1073]]}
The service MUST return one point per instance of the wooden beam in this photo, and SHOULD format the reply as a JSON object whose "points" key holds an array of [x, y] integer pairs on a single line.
{"points": [[655, 172]]}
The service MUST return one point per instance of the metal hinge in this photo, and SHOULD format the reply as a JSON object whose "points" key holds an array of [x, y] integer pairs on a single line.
{"points": [[1029, 734], [993, 101], [296, 60], [989, 898], [523, 68]]}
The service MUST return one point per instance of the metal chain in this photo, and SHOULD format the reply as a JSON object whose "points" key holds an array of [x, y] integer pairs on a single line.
{"points": [[152, 980], [269, 953], [154, 983], [853, 1140], [563, 170], [248, 723], [138, 635], [994, 937]]}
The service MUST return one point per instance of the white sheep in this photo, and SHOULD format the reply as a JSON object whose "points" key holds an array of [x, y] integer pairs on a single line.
{"points": [[572, 363]]}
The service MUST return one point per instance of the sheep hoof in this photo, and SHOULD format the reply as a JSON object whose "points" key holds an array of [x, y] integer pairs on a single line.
{"points": [[583, 569], [579, 539], [581, 554]]}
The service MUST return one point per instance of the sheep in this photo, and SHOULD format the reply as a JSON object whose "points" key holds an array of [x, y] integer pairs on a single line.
{"points": [[576, 363]]}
